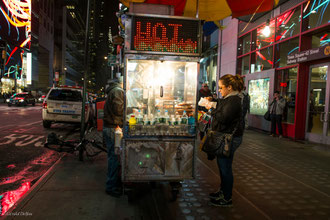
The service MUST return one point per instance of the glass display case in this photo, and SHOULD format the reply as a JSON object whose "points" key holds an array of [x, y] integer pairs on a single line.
{"points": [[159, 142], [161, 97]]}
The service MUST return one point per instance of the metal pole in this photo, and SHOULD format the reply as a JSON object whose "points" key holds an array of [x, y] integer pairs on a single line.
{"points": [[82, 125]]}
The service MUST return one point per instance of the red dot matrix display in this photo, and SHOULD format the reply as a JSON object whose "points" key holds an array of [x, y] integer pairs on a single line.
{"points": [[165, 35]]}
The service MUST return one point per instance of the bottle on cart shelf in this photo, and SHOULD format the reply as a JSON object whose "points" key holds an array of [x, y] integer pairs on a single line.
{"points": [[158, 117], [146, 120], [192, 125], [132, 121], [139, 117], [177, 120], [184, 118], [172, 121], [152, 119], [167, 118]]}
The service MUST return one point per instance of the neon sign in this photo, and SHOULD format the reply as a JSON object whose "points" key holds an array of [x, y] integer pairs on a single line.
{"points": [[165, 35]]}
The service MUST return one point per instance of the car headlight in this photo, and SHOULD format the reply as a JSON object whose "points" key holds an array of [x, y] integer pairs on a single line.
{"points": [[21, 100], [7, 100]]}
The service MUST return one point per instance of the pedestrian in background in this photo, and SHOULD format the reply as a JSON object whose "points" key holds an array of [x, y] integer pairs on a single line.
{"points": [[113, 117], [225, 119], [276, 111], [204, 92], [245, 107]]}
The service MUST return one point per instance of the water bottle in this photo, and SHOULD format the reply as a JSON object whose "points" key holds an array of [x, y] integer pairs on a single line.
{"points": [[139, 118], [184, 118], [158, 117], [167, 118], [192, 125]]}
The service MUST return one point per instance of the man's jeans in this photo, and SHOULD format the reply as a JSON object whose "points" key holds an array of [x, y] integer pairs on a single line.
{"points": [[113, 180], [225, 169], [276, 119]]}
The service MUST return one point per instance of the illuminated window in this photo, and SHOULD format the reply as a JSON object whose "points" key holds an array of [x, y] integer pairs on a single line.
{"points": [[244, 44], [265, 38], [282, 51], [321, 39], [262, 60], [243, 65], [315, 14], [288, 24], [259, 94]]}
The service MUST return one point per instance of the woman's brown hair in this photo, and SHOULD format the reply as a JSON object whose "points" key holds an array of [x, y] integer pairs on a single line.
{"points": [[236, 82]]}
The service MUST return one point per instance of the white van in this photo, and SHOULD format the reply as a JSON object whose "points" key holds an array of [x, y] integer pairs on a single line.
{"points": [[63, 105]]}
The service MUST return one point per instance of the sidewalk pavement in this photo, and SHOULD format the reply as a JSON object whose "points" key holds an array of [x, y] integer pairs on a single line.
{"points": [[274, 179]]}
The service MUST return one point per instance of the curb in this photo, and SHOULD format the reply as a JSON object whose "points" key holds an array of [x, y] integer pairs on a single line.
{"points": [[33, 190]]}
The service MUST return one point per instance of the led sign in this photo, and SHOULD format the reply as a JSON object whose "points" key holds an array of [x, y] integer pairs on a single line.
{"points": [[165, 35]]}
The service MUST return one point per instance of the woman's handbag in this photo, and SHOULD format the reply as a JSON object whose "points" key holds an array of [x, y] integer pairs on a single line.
{"points": [[217, 143], [267, 115]]}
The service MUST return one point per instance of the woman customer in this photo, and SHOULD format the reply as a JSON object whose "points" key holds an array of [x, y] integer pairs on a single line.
{"points": [[227, 118]]}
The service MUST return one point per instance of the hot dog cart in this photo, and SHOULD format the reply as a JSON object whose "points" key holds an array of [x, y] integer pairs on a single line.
{"points": [[161, 61]]}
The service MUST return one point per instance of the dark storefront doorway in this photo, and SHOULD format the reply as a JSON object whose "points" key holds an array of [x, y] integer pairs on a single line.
{"points": [[318, 108]]}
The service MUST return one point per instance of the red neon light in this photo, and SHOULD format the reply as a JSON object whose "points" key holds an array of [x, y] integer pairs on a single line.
{"points": [[324, 36], [11, 55], [149, 39], [283, 84]]}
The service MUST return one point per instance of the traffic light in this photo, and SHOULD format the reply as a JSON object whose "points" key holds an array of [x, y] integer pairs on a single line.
{"points": [[4, 54]]}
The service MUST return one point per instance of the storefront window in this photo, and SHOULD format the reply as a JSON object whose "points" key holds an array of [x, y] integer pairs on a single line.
{"points": [[284, 49], [244, 44], [315, 14], [288, 24], [259, 95], [286, 83], [265, 36], [208, 68], [321, 39], [243, 65], [263, 60]]}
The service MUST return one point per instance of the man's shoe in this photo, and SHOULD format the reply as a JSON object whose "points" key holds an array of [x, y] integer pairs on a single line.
{"points": [[221, 202], [114, 193], [216, 195]]}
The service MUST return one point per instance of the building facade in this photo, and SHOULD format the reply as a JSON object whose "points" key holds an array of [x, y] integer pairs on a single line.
{"points": [[286, 50], [69, 42]]}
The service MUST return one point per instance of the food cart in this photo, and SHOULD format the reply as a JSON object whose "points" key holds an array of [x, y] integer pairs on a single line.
{"points": [[161, 58]]}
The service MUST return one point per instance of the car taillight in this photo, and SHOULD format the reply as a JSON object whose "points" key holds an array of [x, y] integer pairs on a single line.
{"points": [[44, 105]]}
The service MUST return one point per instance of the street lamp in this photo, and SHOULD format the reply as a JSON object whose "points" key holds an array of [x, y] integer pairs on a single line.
{"points": [[105, 58]]}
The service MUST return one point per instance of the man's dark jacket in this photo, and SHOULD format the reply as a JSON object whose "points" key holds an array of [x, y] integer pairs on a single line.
{"points": [[114, 106]]}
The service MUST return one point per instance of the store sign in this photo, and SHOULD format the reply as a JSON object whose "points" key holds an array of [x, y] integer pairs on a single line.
{"points": [[165, 35], [308, 55], [112, 59], [283, 84]]}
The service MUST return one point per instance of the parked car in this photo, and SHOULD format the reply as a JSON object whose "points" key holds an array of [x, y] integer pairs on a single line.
{"points": [[23, 98], [63, 105]]}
